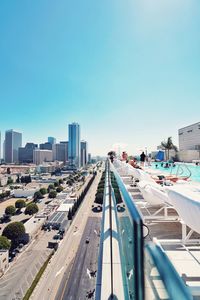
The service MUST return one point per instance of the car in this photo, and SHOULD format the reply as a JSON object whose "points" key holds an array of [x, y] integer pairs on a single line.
{"points": [[56, 237], [10, 258], [87, 241]]}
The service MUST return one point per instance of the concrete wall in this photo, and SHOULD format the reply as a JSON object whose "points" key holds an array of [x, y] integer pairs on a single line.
{"points": [[188, 155]]}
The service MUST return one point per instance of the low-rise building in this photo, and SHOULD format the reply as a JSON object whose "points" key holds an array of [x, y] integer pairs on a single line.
{"points": [[24, 193]]}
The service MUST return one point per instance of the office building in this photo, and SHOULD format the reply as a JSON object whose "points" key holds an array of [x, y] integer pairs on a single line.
{"points": [[74, 145], [84, 155], [51, 140], [0, 147], [13, 140], [46, 146], [189, 137], [189, 143], [40, 156], [60, 152], [26, 153], [66, 149], [89, 158]]}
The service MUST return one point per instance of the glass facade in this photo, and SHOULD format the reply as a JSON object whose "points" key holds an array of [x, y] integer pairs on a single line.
{"points": [[13, 140], [74, 145]]}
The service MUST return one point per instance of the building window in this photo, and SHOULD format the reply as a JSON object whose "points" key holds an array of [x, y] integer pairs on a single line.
{"points": [[189, 131], [180, 133]]}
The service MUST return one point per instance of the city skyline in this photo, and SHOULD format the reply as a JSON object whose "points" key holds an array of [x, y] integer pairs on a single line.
{"points": [[128, 73]]}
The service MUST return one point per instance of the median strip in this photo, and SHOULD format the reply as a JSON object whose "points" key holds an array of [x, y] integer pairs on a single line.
{"points": [[37, 278]]}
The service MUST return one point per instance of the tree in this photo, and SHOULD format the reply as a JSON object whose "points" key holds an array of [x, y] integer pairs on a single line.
{"points": [[112, 154], [52, 194], [51, 187], [99, 198], [14, 231], [168, 145], [59, 189], [31, 209], [70, 214], [5, 244], [56, 184], [61, 181], [10, 180], [10, 210], [38, 195], [20, 204], [43, 191]]}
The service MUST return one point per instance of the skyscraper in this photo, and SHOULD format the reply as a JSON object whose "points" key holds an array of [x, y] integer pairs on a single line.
{"points": [[51, 140], [60, 151], [26, 153], [74, 144], [0, 147], [84, 156], [13, 140]]}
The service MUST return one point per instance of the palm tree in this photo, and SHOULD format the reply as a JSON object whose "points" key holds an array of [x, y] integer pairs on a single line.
{"points": [[168, 145]]}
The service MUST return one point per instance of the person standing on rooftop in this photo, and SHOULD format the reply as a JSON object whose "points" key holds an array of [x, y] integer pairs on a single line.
{"points": [[142, 158]]}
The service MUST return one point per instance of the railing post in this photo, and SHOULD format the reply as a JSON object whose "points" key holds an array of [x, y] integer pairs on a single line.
{"points": [[110, 221]]}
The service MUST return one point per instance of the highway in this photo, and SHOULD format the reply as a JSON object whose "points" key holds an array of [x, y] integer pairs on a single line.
{"points": [[62, 262]]}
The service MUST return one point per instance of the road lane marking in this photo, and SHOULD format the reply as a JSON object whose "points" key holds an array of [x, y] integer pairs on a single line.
{"points": [[60, 271]]}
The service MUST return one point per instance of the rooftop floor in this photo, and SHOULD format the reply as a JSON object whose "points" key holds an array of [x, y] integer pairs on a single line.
{"points": [[186, 259]]}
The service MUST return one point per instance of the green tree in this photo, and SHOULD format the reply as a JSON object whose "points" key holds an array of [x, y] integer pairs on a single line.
{"points": [[10, 210], [38, 195], [52, 194], [14, 231], [20, 204], [168, 145], [56, 184], [61, 181], [43, 191], [59, 189], [51, 187], [10, 180], [70, 214], [4, 243], [99, 198], [31, 209]]}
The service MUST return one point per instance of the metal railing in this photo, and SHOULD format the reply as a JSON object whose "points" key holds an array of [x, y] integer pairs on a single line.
{"points": [[141, 262], [163, 278]]}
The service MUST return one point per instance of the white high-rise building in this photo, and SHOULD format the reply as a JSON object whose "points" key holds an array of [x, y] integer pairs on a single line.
{"points": [[189, 137], [74, 145]]}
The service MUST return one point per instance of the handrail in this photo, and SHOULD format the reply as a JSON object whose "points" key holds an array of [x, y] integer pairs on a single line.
{"points": [[138, 244], [173, 283], [180, 167]]}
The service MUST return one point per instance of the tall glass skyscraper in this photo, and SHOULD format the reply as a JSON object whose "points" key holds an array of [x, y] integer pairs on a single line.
{"points": [[74, 144], [51, 140], [84, 155], [13, 140]]}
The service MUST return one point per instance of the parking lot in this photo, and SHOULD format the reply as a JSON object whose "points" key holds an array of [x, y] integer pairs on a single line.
{"points": [[14, 284]]}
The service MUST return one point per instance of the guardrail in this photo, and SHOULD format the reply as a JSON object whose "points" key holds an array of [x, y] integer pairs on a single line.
{"points": [[163, 278], [140, 262], [131, 233]]}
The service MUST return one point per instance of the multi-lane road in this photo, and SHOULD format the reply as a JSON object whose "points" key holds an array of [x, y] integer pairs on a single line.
{"points": [[61, 263], [83, 275]]}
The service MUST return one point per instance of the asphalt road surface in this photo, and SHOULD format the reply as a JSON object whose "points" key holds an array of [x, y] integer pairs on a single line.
{"points": [[83, 275], [62, 261]]}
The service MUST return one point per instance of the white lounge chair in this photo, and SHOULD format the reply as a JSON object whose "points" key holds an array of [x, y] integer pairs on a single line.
{"points": [[187, 204]]}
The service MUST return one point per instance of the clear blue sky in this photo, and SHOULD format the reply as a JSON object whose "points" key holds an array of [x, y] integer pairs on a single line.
{"points": [[127, 70]]}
